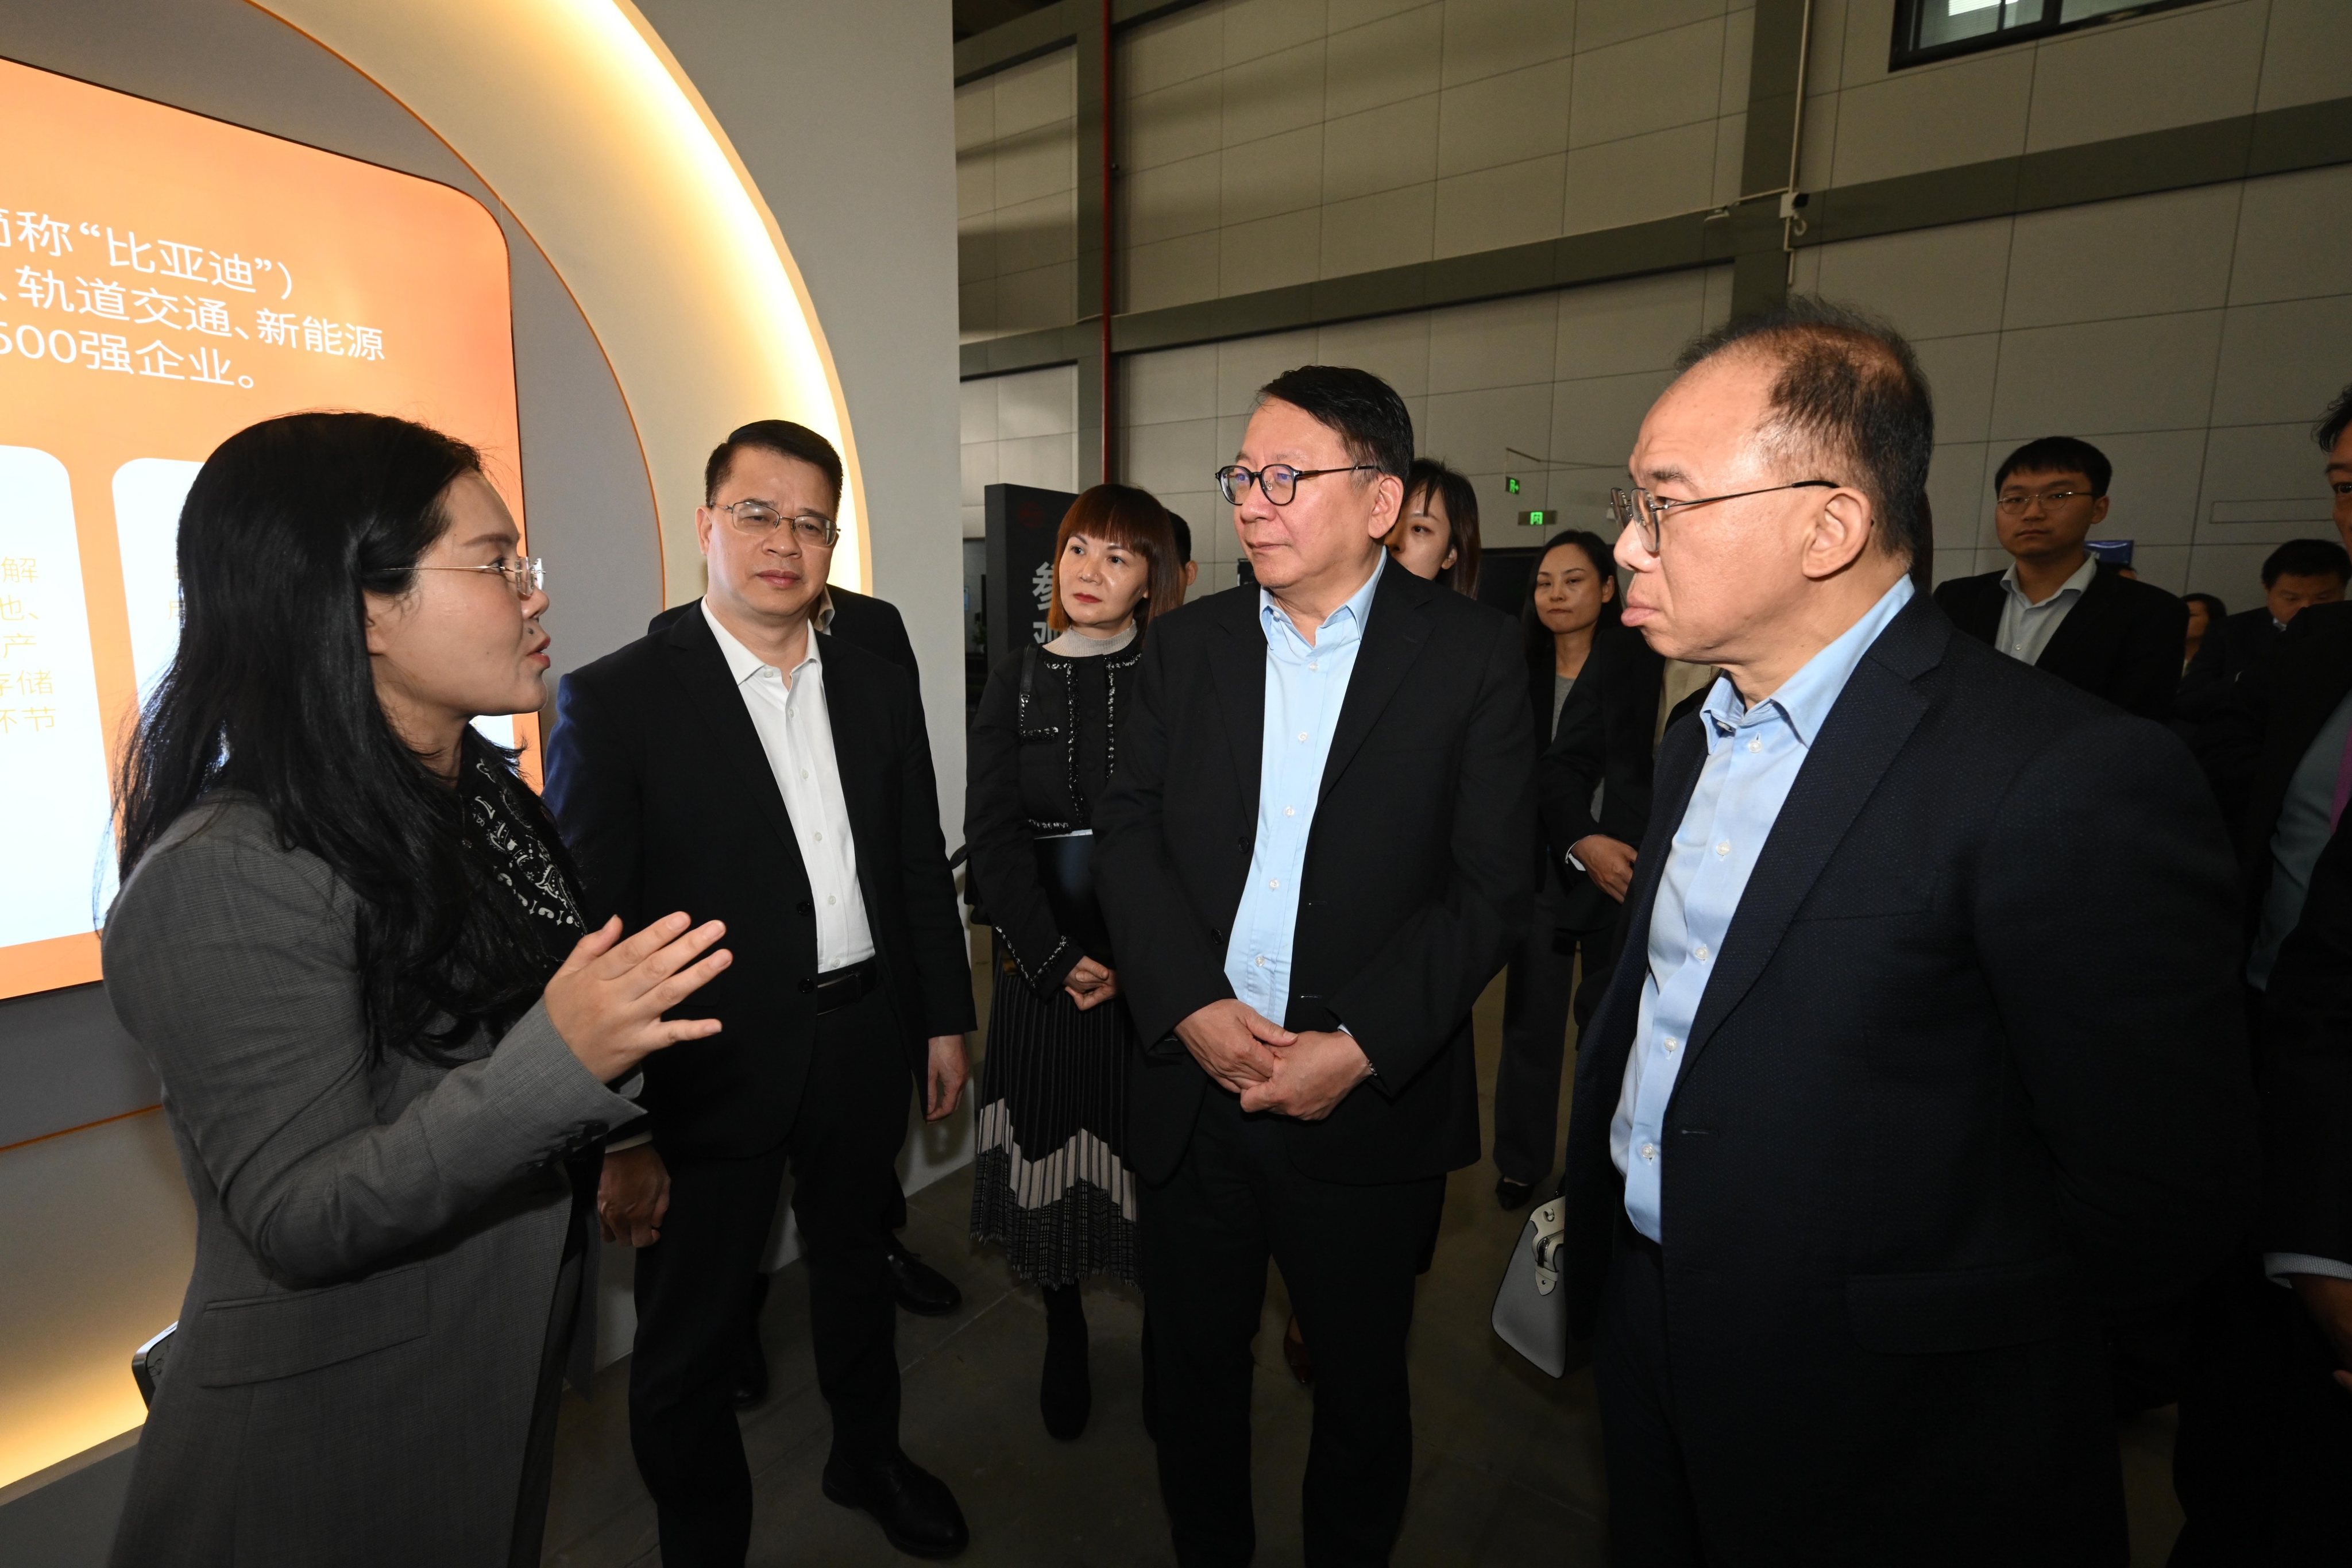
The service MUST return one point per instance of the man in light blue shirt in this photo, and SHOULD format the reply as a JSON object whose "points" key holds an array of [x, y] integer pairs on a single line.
{"points": [[1316, 852], [1753, 755], [1858, 1179], [1305, 682]]}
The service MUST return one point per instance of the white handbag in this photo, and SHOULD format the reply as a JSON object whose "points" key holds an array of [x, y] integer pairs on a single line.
{"points": [[1531, 1309]]}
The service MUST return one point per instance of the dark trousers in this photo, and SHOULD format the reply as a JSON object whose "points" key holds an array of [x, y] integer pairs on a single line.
{"points": [[1653, 1522], [694, 1288], [2263, 1462], [1349, 1255], [1537, 993]]}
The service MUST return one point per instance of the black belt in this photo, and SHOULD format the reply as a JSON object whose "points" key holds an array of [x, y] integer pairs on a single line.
{"points": [[837, 988]]}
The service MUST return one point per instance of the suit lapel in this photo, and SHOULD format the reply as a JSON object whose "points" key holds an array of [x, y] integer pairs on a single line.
{"points": [[2074, 648], [1866, 727], [710, 687], [1237, 665], [1393, 633]]}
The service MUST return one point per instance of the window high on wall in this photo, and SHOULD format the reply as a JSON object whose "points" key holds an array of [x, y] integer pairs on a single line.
{"points": [[1937, 29]]}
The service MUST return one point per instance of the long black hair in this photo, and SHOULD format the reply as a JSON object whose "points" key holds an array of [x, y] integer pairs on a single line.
{"points": [[288, 524], [1541, 655]]}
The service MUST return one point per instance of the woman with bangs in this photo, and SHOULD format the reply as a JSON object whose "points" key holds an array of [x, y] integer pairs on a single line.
{"points": [[1050, 1184]]}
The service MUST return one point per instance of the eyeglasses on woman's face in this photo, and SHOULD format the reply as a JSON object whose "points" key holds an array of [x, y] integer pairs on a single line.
{"points": [[526, 574], [759, 519]]}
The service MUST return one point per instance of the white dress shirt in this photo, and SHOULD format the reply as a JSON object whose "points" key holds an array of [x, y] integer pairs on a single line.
{"points": [[795, 730], [2027, 627]]}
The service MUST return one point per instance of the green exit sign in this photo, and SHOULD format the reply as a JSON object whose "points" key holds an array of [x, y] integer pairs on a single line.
{"points": [[1511, 484], [1539, 519]]}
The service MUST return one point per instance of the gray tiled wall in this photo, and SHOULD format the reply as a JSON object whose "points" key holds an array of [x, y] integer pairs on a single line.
{"points": [[2147, 73], [1016, 197], [1268, 142]]}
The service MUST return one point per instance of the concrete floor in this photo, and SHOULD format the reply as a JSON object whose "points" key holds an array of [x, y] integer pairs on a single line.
{"points": [[1508, 1463]]}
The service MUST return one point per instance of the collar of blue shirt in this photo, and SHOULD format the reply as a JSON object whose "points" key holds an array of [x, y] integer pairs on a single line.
{"points": [[1346, 621], [1805, 699]]}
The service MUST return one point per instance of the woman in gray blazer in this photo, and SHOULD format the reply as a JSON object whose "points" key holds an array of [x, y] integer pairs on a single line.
{"points": [[348, 937]]}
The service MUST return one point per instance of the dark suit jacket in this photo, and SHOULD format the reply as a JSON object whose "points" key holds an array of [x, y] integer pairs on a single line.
{"points": [[2306, 1072], [1602, 740], [859, 619], [1966, 1083], [2257, 740], [1420, 871], [2121, 641], [2239, 642], [656, 775]]}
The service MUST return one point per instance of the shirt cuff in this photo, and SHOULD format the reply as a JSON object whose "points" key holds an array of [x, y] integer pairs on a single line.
{"points": [[1572, 860], [2278, 1265]]}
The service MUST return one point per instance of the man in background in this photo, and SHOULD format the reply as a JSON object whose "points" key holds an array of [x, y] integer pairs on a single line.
{"points": [[2264, 1438], [2055, 606], [2298, 574], [1858, 1178]]}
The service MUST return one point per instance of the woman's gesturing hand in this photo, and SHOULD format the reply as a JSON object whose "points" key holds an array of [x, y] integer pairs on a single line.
{"points": [[608, 999]]}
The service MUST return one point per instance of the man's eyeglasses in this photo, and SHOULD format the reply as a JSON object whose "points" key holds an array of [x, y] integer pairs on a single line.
{"points": [[1279, 480], [2015, 505], [526, 574], [757, 520], [1639, 508]]}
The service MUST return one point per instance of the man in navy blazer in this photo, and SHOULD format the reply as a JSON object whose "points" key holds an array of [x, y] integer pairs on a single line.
{"points": [[1922, 1065]]}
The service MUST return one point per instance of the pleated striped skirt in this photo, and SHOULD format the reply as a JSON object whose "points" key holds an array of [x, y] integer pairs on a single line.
{"points": [[1050, 1184]]}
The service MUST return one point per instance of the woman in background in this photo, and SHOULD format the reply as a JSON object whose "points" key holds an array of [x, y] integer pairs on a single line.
{"points": [[349, 940], [1594, 687], [1436, 532], [1051, 1185], [2205, 613]]}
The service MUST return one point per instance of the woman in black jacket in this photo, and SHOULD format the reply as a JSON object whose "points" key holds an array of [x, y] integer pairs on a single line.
{"points": [[1593, 686], [1051, 1185]]}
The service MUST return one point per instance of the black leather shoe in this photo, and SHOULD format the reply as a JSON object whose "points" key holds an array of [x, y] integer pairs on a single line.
{"points": [[923, 1289], [917, 1513], [751, 1378], [1512, 1195]]}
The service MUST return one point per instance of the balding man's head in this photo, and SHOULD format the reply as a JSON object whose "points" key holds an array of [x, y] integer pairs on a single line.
{"points": [[1779, 491], [1848, 399]]}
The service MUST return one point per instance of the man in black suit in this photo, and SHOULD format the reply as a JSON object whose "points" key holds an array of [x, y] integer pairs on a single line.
{"points": [[741, 762], [2298, 574], [1316, 852], [2055, 606], [2274, 751], [1858, 1171], [873, 625], [2254, 1432], [2265, 1441]]}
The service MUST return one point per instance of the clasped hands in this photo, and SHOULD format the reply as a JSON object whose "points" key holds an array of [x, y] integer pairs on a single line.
{"points": [[1304, 1074]]}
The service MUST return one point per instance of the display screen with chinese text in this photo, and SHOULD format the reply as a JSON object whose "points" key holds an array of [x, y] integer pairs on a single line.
{"points": [[166, 280]]}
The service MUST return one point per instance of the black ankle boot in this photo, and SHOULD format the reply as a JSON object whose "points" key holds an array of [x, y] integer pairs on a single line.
{"points": [[1067, 1395]]}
